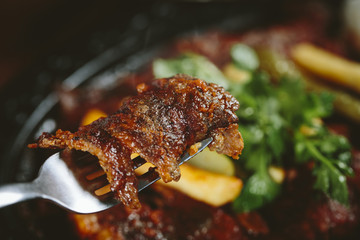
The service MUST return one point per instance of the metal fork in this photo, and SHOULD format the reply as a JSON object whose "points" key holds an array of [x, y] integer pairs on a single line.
{"points": [[58, 183]]}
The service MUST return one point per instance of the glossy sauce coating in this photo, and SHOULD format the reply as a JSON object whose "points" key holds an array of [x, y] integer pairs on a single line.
{"points": [[159, 124]]}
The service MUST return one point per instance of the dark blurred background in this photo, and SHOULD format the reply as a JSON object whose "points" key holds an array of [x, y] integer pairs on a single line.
{"points": [[33, 30], [43, 42]]}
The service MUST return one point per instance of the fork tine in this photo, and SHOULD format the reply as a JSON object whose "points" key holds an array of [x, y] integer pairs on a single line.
{"points": [[151, 175], [93, 171], [137, 162], [83, 159], [95, 175], [97, 183], [147, 179]]}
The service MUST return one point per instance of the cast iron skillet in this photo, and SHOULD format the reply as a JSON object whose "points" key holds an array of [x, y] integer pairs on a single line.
{"points": [[124, 49]]}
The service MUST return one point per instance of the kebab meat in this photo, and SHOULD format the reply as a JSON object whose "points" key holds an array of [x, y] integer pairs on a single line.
{"points": [[165, 118]]}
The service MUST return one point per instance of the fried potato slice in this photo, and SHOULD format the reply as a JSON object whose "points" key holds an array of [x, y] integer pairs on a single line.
{"points": [[328, 65], [92, 115], [212, 188]]}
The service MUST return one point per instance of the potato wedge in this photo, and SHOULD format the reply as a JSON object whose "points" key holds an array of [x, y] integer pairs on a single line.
{"points": [[277, 174], [235, 74], [328, 65], [92, 115], [211, 188]]}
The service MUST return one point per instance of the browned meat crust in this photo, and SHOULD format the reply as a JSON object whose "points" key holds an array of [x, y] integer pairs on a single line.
{"points": [[159, 124], [166, 214]]}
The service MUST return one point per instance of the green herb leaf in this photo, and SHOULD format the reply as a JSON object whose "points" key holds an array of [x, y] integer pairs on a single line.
{"points": [[244, 57], [272, 117], [331, 182], [259, 190], [191, 64], [332, 157]]}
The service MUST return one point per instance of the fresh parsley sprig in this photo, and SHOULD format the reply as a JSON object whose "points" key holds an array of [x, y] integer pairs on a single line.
{"points": [[331, 154], [285, 120], [279, 122]]}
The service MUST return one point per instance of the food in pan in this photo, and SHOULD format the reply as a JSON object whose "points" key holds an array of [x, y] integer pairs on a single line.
{"points": [[160, 123], [299, 174]]}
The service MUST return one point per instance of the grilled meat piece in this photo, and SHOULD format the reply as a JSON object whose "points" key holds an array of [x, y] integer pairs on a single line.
{"points": [[159, 123], [166, 214]]}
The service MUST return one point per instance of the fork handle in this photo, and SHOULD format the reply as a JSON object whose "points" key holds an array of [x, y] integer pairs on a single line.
{"points": [[17, 192]]}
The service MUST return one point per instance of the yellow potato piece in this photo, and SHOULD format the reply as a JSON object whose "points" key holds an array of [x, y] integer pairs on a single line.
{"points": [[92, 115], [277, 174], [211, 188], [328, 65], [235, 74]]}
